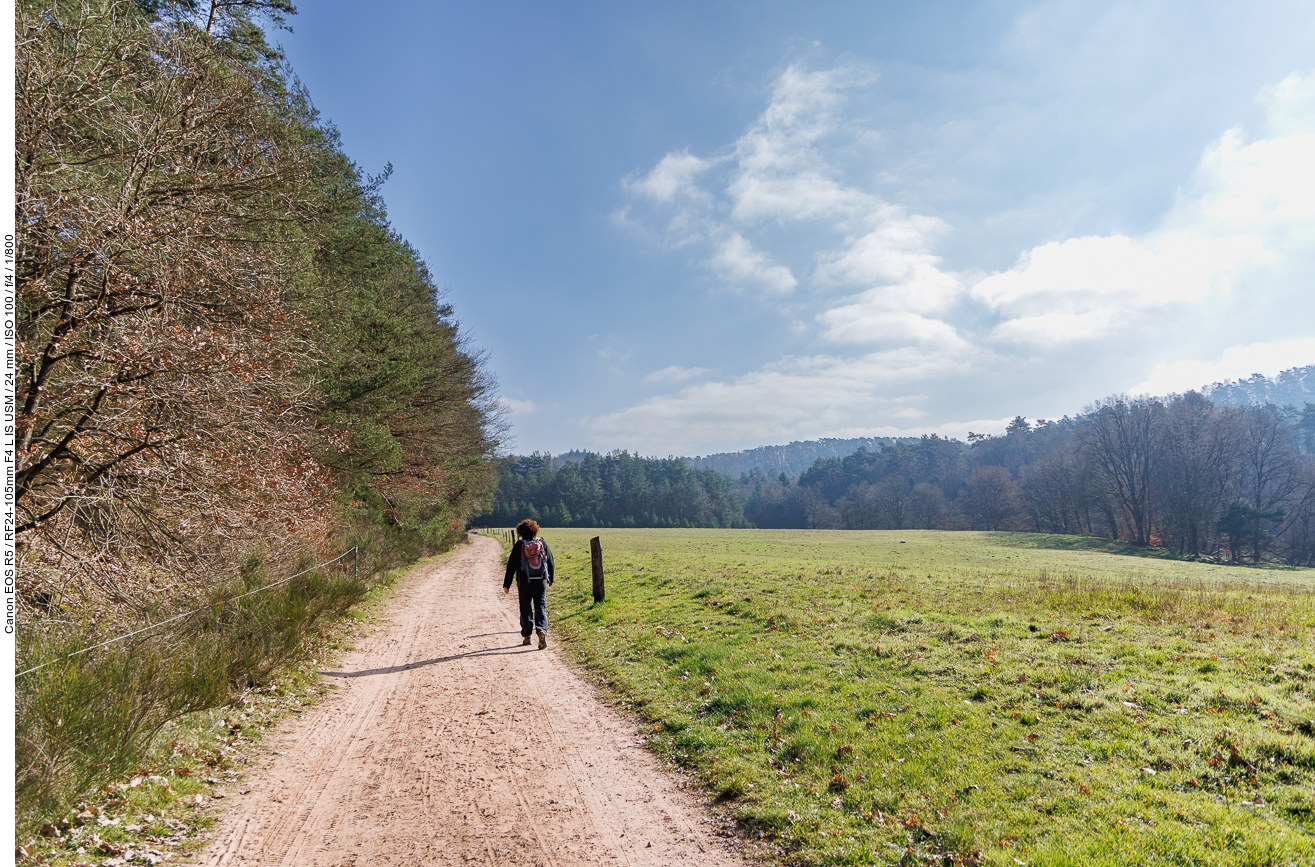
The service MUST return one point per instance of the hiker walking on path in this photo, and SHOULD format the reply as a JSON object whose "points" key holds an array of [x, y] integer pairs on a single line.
{"points": [[530, 563]]}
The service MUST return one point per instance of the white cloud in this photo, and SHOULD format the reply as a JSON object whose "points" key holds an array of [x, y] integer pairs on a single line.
{"points": [[776, 170], [795, 398], [1053, 330], [898, 312], [1093, 312], [1083, 275], [1265, 187], [1235, 362], [740, 264], [871, 323], [803, 100], [1290, 105], [1087, 288], [1246, 207], [800, 194], [675, 373], [517, 407], [897, 256], [674, 174], [894, 252], [780, 171]]}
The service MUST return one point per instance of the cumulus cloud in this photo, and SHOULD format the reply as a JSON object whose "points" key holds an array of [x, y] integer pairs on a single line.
{"points": [[1085, 288], [1247, 206], [741, 265], [1235, 362], [1053, 330], [675, 373], [795, 398], [776, 171], [1290, 105], [780, 172], [673, 175], [897, 249], [932, 344], [1264, 187], [865, 322], [898, 311], [516, 407]]}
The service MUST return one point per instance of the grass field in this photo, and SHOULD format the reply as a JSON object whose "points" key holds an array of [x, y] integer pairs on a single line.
{"points": [[964, 698]]}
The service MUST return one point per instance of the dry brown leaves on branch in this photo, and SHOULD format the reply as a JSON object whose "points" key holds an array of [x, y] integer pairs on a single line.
{"points": [[164, 378]]}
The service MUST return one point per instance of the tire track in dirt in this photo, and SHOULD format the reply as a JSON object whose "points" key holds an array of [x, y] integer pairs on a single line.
{"points": [[449, 743]]}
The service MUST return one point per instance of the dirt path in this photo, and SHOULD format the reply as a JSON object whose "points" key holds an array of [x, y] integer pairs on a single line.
{"points": [[449, 743]]}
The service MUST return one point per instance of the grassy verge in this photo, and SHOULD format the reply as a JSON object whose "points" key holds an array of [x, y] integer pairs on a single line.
{"points": [[965, 698], [156, 806]]}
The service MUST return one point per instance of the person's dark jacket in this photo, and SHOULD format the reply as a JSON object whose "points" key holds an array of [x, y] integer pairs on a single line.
{"points": [[514, 569]]}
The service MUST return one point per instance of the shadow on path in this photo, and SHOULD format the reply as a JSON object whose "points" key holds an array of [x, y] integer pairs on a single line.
{"points": [[393, 669]]}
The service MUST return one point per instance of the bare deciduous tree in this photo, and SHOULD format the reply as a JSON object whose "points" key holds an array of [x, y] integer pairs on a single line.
{"points": [[163, 374], [926, 506], [991, 498], [1270, 471], [1120, 434], [1198, 456]]}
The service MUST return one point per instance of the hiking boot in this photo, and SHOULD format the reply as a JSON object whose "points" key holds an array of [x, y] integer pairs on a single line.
{"points": [[526, 642], [543, 640]]}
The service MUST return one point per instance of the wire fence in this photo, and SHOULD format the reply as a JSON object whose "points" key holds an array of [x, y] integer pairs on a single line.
{"points": [[354, 552], [508, 536]]}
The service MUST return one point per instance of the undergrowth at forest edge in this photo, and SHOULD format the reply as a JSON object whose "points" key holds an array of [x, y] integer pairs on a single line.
{"points": [[126, 738], [964, 698], [160, 808]]}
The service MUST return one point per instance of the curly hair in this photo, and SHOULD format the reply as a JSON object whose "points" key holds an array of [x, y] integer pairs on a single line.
{"points": [[527, 529]]}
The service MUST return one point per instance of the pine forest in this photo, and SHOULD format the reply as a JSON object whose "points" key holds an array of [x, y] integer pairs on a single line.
{"points": [[230, 369]]}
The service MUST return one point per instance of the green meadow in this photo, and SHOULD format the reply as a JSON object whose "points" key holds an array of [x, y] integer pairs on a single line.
{"points": [[915, 697]]}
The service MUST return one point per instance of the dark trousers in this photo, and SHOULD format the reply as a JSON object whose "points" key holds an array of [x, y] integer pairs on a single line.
{"points": [[534, 605]]}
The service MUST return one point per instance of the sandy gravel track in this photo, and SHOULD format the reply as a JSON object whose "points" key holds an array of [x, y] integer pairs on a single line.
{"points": [[449, 743]]}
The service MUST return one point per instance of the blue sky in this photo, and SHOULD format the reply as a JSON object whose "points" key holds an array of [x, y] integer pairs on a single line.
{"points": [[682, 228]]}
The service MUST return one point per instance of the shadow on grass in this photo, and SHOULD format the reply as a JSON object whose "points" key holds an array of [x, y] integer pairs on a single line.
{"points": [[1056, 542], [575, 614]]}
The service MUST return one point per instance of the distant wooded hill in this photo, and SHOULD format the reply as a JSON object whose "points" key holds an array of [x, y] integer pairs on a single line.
{"points": [[790, 459], [1207, 478], [1293, 387]]}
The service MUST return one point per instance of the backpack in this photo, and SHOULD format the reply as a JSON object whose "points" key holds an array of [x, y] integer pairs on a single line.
{"points": [[534, 559]]}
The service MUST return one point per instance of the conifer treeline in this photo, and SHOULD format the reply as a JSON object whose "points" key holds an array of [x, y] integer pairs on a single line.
{"points": [[1179, 472], [229, 367], [223, 348], [616, 490]]}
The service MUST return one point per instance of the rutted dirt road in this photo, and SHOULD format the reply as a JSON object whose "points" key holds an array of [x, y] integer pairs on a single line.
{"points": [[449, 743]]}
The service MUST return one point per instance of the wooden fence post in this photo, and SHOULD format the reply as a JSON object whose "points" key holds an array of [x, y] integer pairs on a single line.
{"points": [[596, 559]]}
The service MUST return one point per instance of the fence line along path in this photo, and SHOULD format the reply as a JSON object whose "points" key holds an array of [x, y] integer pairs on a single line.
{"points": [[450, 743]]}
